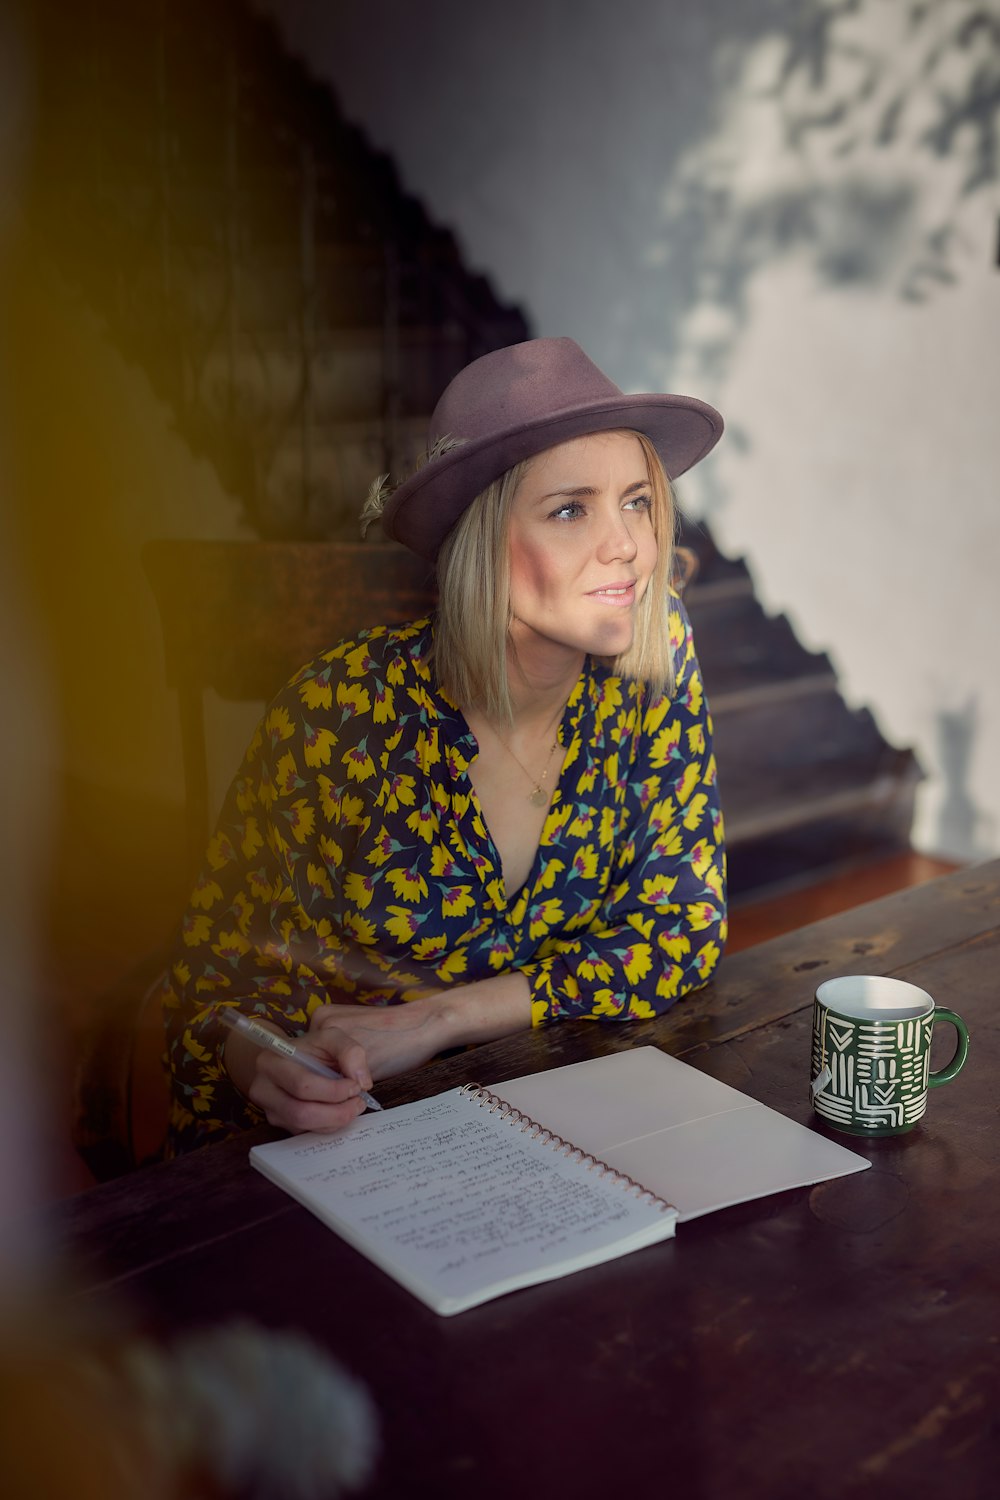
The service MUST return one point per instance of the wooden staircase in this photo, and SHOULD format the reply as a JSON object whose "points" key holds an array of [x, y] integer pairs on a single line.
{"points": [[301, 313]]}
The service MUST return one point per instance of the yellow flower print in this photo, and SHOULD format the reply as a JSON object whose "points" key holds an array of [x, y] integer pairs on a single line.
{"points": [[196, 930], [606, 833], [286, 777], [302, 820], [695, 810], [427, 750], [354, 699], [674, 945], [316, 692], [594, 969], [383, 705], [317, 746], [543, 916], [706, 960], [585, 861], [688, 782], [701, 914], [358, 762], [278, 725], [669, 843], [655, 714], [252, 839], [456, 900], [701, 857], [409, 885], [693, 695], [641, 1009], [398, 789], [501, 954], [331, 852], [402, 924], [358, 889], [243, 912], [638, 962], [429, 949], [382, 850], [539, 1010], [607, 1003], [395, 672], [206, 893], [319, 880], [231, 945], [643, 926], [609, 698], [442, 861], [670, 982], [587, 780], [665, 745], [713, 879], [220, 851], [551, 870], [582, 824], [422, 698], [696, 740], [259, 884], [658, 890], [360, 929], [456, 963], [423, 823]]}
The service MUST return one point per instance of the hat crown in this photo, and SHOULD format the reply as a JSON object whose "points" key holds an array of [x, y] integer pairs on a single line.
{"points": [[517, 387]]}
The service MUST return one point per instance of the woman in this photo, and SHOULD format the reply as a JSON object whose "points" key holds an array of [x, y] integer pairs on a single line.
{"points": [[503, 816]]}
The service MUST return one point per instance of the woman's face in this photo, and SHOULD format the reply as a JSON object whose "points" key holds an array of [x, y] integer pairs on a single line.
{"points": [[582, 548]]}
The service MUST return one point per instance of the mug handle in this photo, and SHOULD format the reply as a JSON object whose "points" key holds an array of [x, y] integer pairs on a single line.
{"points": [[947, 1073]]}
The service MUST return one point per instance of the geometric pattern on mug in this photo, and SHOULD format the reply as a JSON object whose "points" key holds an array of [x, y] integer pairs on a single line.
{"points": [[878, 1072]]}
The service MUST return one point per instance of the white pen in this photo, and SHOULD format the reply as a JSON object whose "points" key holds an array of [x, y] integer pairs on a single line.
{"points": [[261, 1036]]}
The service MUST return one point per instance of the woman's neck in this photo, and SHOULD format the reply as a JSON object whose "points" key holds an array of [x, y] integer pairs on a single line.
{"points": [[540, 687]]}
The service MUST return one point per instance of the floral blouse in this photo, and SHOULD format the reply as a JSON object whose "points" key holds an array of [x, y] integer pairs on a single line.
{"points": [[351, 862]]}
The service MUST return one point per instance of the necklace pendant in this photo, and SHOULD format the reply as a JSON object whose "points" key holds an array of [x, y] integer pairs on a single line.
{"points": [[538, 797]]}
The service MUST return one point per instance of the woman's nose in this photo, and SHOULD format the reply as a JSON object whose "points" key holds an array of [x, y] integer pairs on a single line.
{"points": [[617, 542]]}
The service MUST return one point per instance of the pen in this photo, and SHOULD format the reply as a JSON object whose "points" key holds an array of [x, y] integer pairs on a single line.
{"points": [[262, 1037]]}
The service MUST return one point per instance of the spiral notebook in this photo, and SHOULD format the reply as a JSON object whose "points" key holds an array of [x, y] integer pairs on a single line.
{"points": [[477, 1192]]}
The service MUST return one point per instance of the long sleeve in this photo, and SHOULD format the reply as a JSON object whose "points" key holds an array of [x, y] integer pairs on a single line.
{"points": [[661, 927]]}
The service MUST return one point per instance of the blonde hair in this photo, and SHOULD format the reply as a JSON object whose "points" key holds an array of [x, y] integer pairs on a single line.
{"points": [[474, 617]]}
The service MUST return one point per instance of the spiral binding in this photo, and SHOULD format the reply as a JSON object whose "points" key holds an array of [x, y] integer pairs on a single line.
{"points": [[497, 1106]]}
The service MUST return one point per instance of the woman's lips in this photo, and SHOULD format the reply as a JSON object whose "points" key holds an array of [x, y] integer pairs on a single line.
{"points": [[619, 595]]}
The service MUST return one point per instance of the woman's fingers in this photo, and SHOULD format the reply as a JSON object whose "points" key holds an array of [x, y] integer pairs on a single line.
{"points": [[298, 1099]]}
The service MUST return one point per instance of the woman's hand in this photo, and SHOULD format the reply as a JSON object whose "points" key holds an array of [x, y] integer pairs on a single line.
{"points": [[294, 1098], [392, 1038], [396, 1038]]}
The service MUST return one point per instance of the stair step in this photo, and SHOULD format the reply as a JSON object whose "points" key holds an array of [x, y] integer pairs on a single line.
{"points": [[741, 648], [351, 373]]}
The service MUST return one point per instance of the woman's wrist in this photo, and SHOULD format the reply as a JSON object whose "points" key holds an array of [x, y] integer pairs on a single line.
{"points": [[482, 1011]]}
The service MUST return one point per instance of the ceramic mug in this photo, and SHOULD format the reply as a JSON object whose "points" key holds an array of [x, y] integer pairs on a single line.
{"points": [[871, 1053]]}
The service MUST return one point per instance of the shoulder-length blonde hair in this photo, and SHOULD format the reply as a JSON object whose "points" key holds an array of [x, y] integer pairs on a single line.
{"points": [[474, 615]]}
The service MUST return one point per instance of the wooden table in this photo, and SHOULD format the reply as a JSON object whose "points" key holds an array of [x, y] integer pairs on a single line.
{"points": [[839, 1340]]}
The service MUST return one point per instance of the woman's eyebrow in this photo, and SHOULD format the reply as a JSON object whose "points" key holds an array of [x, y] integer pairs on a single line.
{"points": [[577, 491]]}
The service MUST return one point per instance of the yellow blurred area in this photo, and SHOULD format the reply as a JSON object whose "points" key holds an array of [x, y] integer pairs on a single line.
{"points": [[95, 469]]}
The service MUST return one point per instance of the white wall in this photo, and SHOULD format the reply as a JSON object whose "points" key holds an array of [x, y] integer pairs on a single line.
{"points": [[792, 210]]}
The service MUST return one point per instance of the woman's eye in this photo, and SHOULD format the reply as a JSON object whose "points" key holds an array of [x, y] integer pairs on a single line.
{"points": [[639, 502], [568, 512]]}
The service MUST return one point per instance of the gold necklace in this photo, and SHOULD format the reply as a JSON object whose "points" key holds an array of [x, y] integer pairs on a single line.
{"points": [[538, 796]]}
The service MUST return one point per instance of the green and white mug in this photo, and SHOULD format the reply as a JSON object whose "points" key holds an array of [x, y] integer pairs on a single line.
{"points": [[871, 1053]]}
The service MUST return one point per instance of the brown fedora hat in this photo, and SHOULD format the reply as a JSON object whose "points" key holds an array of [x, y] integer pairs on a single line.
{"points": [[516, 402]]}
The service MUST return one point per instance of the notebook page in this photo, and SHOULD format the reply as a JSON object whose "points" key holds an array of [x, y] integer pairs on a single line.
{"points": [[682, 1134], [457, 1203]]}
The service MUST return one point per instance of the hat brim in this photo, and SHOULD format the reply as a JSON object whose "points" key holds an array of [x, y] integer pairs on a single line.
{"points": [[424, 508]]}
